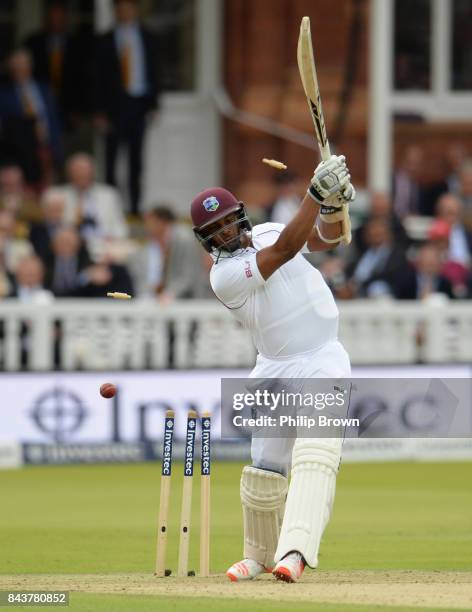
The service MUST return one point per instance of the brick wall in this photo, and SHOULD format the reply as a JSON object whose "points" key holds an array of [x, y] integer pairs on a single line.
{"points": [[261, 76]]}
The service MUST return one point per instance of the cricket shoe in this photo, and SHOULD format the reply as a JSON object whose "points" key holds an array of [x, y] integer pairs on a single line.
{"points": [[247, 569], [290, 568]]}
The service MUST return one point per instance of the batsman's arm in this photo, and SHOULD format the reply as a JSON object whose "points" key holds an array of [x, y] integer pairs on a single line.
{"points": [[329, 179], [291, 239], [329, 231]]}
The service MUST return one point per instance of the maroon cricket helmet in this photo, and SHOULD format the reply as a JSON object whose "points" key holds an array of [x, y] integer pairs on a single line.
{"points": [[213, 205]]}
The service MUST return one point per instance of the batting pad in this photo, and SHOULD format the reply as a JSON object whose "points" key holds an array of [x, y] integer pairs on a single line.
{"points": [[315, 463], [263, 496]]}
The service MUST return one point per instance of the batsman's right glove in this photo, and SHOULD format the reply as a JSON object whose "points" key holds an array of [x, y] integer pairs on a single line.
{"points": [[331, 188]]}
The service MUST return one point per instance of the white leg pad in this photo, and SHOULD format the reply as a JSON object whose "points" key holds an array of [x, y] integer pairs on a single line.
{"points": [[263, 496], [310, 499]]}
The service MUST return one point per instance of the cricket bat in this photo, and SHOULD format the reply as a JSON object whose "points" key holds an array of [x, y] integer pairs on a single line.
{"points": [[307, 68]]}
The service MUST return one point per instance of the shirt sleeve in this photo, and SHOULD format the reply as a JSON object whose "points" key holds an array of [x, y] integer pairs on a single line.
{"points": [[234, 280]]}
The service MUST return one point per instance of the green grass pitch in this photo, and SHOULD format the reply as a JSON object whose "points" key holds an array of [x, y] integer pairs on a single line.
{"points": [[102, 520]]}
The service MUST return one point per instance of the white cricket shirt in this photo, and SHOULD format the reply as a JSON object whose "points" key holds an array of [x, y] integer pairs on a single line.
{"points": [[291, 312]]}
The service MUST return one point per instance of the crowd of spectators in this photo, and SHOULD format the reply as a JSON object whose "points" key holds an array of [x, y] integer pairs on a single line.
{"points": [[410, 245], [62, 232], [65, 234], [63, 84], [74, 241]]}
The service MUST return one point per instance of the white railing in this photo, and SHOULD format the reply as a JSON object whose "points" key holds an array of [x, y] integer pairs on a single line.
{"points": [[111, 335]]}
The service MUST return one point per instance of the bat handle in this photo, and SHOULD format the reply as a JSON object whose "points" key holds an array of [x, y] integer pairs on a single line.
{"points": [[325, 151]]}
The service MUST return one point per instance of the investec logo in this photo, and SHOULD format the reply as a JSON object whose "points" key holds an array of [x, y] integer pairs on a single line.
{"points": [[189, 452], [205, 452], [167, 452]]}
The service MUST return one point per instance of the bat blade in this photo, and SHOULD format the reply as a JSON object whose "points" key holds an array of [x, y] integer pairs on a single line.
{"points": [[307, 69], [309, 78]]}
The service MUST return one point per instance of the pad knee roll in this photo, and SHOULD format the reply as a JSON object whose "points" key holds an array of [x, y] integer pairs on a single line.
{"points": [[263, 496], [310, 497]]}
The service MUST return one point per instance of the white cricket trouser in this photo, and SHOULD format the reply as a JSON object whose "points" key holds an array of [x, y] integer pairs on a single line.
{"points": [[329, 361]]}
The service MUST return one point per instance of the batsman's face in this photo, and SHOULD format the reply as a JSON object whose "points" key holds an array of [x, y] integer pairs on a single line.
{"points": [[226, 233]]}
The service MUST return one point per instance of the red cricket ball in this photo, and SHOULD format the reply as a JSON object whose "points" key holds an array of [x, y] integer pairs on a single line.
{"points": [[108, 390]]}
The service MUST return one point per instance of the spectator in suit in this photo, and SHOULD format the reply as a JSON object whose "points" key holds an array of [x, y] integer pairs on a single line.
{"points": [[70, 272], [424, 278], [29, 281], [411, 196], [16, 198], [449, 208], [65, 61], [67, 259], [126, 91], [378, 271], [42, 232], [12, 249], [31, 124], [407, 190], [381, 206], [94, 208], [168, 265], [50, 48]]}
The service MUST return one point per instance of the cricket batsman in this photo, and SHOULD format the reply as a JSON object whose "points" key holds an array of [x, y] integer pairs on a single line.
{"points": [[260, 274]]}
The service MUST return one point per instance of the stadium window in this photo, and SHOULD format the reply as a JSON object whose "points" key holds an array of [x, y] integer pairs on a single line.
{"points": [[412, 45], [461, 56]]}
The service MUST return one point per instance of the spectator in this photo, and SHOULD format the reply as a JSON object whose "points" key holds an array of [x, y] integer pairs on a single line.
{"points": [[411, 196], [51, 49], [381, 206], [127, 92], [203, 290], [28, 288], [31, 125], [68, 258], [93, 207], [287, 198], [168, 265], [15, 197], [29, 281], [70, 272], [426, 278], [379, 270], [65, 61], [465, 190], [450, 209], [41, 233], [6, 285], [12, 249], [407, 191], [333, 269], [456, 156], [455, 272]]}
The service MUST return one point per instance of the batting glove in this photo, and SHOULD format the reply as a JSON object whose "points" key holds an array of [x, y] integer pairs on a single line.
{"points": [[330, 177]]}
